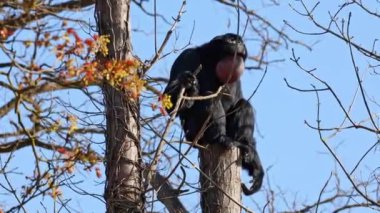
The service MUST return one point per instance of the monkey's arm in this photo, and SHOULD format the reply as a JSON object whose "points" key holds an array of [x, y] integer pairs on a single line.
{"points": [[182, 76]]}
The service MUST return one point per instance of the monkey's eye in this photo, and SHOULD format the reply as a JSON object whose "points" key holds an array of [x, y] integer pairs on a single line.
{"points": [[231, 40]]}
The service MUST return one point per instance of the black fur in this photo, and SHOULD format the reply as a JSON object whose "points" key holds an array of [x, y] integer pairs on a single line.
{"points": [[229, 117]]}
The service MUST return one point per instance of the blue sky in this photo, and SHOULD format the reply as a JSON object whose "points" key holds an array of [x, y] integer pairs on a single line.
{"points": [[297, 161]]}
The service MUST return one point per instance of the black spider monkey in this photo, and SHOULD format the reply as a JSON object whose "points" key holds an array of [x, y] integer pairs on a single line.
{"points": [[229, 116]]}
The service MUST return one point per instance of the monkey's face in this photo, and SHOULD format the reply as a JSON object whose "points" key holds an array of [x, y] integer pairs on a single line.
{"points": [[231, 54]]}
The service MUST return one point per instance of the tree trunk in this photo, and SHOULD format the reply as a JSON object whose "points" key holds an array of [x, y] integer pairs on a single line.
{"points": [[223, 168], [123, 192]]}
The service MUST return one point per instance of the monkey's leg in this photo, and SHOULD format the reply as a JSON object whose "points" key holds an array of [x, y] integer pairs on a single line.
{"points": [[240, 127]]}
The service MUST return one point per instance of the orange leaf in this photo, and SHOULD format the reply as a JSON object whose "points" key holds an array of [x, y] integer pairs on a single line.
{"points": [[163, 111], [70, 31], [98, 172], [89, 42], [61, 150]]}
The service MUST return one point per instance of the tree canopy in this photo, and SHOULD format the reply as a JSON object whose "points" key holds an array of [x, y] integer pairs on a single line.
{"points": [[311, 74]]}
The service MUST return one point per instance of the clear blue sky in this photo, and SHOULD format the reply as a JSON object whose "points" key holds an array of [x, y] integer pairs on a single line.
{"points": [[298, 162]]}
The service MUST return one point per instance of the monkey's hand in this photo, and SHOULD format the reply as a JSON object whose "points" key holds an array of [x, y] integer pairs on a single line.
{"points": [[257, 182], [188, 81], [252, 163]]}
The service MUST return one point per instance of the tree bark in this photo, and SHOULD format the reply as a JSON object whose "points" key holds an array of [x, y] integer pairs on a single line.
{"points": [[166, 193], [124, 188], [222, 167]]}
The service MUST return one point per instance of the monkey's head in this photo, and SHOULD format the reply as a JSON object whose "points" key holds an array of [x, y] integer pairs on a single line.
{"points": [[228, 52]]}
